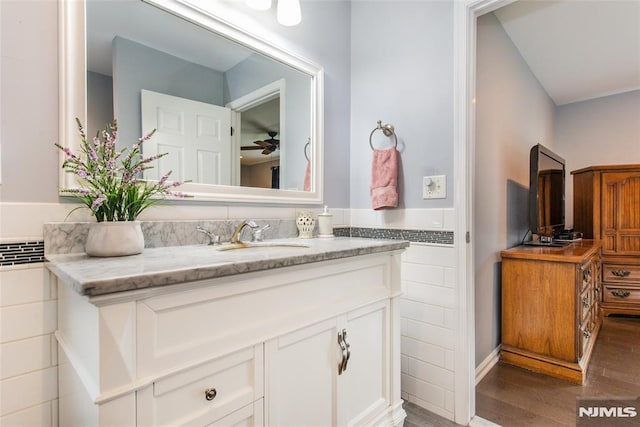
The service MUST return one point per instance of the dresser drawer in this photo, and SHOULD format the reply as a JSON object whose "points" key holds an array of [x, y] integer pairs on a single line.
{"points": [[206, 393], [584, 335], [621, 293], [585, 302], [587, 274], [622, 273]]}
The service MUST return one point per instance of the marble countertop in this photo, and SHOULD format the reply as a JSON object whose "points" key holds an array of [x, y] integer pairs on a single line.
{"points": [[177, 264]]}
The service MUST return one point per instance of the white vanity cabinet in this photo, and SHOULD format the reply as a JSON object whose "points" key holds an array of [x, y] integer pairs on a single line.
{"points": [[306, 366], [259, 348]]}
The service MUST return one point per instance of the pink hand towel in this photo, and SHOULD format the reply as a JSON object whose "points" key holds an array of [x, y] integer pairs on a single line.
{"points": [[384, 179], [307, 177]]}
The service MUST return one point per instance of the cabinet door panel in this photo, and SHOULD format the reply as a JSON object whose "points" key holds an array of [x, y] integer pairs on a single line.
{"points": [[366, 391], [620, 213], [302, 377]]}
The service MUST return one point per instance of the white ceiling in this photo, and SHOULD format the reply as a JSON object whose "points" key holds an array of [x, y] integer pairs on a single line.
{"points": [[578, 50]]}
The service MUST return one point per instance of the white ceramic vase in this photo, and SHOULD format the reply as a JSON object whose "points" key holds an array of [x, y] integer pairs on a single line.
{"points": [[114, 238]]}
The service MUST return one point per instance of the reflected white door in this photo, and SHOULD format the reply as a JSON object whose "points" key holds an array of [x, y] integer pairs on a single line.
{"points": [[195, 134]]}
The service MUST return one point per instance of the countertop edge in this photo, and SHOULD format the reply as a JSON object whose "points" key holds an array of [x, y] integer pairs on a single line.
{"points": [[110, 285]]}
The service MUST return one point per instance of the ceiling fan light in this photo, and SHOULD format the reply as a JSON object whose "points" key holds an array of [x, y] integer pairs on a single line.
{"points": [[259, 4], [289, 13]]}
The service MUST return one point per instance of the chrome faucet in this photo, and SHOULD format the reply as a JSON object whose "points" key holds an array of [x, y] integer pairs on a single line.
{"points": [[235, 238], [257, 234], [213, 238]]}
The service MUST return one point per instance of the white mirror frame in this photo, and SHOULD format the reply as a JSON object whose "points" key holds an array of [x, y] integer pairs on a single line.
{"points": [[73, 92]]}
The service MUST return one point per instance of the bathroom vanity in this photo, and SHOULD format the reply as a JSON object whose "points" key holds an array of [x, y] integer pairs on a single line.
{"points": [[259, 336]]}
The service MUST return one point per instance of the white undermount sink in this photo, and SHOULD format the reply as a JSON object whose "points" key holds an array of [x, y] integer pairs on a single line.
{"points": [[267, 244]]}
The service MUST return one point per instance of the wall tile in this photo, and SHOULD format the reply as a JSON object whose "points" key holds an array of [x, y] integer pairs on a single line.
{"points": [[28, 390], [421, 312], [449, 399], [54, 349], [450, 319], [431, 374], [430, 255], [433, 295], [425, 391], [431, 334], [422, 351], [449, 219], [36, 416], [421, 273], [449, 360], [54, 413], [24, 286], [24, 220], [450, 278], [24, 356], [27, 320]]}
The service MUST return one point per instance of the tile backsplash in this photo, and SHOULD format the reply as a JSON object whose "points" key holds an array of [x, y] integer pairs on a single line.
{"points": [[15, 253], [65, 238]]}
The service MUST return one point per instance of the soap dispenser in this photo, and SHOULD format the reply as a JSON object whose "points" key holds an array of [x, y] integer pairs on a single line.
{"points": [[325, 223]]}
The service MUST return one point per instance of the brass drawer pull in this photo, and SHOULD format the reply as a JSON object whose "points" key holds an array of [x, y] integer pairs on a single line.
{"points": [[210, 393], [620, 273], [620, 293]]}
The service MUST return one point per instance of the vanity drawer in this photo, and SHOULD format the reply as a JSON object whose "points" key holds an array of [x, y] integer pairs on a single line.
{"points": [[621, 273], [249, 416], [621, 293], [223, 315], [206, 393]]}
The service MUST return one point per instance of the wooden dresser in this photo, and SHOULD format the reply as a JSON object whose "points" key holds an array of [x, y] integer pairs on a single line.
{"points": [[551, 308], [606, 207]]}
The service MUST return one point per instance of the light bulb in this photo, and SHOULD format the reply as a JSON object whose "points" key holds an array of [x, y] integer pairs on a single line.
{"points": [[289, 12], [259, 4]]}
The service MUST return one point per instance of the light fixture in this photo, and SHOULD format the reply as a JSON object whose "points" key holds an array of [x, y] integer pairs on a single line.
{"points": [[259, 4], [289, 12]]}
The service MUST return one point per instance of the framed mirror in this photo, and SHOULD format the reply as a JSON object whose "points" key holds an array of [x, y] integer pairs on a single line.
{"points": [[240, 118]]}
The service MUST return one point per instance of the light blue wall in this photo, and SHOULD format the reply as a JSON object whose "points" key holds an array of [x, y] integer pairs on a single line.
{"points": [[323, 37], [137, 67], [402, 73], [257, 71], [99, 102], [506, 129]]}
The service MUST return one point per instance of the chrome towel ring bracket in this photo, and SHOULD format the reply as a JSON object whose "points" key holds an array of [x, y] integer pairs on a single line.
{"points": [[387, 130]]}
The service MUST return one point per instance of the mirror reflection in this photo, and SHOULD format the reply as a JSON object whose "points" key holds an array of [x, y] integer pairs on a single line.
{"points": [[225, 114]]}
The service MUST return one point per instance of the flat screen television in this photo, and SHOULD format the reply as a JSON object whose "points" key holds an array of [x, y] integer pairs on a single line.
{"points": [[546, 193]]}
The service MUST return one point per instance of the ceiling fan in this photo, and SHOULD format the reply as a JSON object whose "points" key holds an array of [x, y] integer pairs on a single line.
{"points": [[267, 146]]}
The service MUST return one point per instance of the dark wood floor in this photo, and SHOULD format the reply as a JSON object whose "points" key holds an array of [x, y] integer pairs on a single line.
{"points": [[512, 396]]}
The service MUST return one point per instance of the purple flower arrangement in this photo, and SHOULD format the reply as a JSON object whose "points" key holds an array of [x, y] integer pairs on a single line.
{"points": [[110, 180]]}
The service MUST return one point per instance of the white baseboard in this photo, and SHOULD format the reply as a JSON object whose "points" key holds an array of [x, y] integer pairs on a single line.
{"points": [[489, 362], [481, 422]]}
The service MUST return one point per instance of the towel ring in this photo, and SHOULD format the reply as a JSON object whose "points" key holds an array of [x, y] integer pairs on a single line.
{"points": [[387, 129], [307, 145]]}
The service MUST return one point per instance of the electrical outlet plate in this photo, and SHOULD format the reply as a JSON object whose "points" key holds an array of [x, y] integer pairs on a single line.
{"points": [[434, 187]]}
